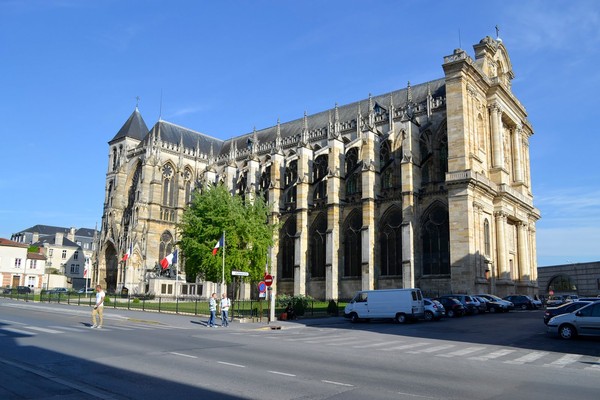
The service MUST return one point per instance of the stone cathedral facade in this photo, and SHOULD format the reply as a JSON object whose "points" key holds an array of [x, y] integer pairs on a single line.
{"points": [[427, 186]]}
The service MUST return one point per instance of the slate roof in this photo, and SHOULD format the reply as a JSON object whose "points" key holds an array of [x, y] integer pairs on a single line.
{"points": [[175, 134], [45, 229], [134, 127], [52, 240]]}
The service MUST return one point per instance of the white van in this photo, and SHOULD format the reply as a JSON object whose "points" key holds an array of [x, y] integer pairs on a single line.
{"points": [[398, 304]]}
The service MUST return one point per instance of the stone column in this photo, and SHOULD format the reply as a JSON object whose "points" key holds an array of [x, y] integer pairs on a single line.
{"points": [[497, 144], [332, 257], [274, 205], [533, 255], [517, 157], [523, 257], [301, 248], [370, 158], [501, 245]]}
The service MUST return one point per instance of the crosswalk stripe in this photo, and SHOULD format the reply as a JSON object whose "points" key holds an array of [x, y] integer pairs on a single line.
{"points": [[564, 360], [491, 356], [432, 349], [463, 352], [304, 338], [534, 355], [68, 328], [19, 331], [406, 346], [367, 346], [331, 340], [120, 328], [45, 330]]}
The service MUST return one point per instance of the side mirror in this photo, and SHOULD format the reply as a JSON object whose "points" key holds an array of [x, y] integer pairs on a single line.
{"points": [[578, 313]]}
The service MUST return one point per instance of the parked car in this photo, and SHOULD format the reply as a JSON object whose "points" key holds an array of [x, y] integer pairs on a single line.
{"points": [[88, 291], [481, 303], [584, 322], [563, 309], [467, 301], [434, 310], [554, 301], [537, 302], [521, 301], [499, 304], [398, 304], [452, 307], [24, 290], [58, 290]]}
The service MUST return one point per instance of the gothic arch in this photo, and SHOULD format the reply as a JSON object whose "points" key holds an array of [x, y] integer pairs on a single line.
{"points": [[435, 240], [169, 186], [317, 246], [352, 244], [561, 283], [390, 242], [111, 260], [287, 248]]}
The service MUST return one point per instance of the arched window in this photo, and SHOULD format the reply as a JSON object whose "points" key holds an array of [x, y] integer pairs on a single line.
{"points": [[265, 182], [353, 181], [436, 242], [353, 245], [132, 196], [317, 242], [480, 131], [390, 242], [187, 177], [242, 185], [387, 166], [168, 178], [166, 245], [114, 159], [562, 283], [320, 167], [288, 239], [290, 178], [486, 238]]}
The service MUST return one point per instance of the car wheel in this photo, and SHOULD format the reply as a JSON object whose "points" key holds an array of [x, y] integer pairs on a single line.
{"points": [[450, 313], [401, 318], [428, 316], [354, 318], [493, 309], [567, 331], [524, 307]]}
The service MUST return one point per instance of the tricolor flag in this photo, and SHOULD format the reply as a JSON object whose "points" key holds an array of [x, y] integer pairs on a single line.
{"points": [[220, 243], [128, 254], [168, 260], [86, 267]]}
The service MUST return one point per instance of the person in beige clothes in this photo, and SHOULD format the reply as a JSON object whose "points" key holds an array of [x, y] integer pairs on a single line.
{"points": [[98, 307]]}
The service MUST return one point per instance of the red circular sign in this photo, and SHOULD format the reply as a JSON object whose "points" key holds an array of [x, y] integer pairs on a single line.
{"points": [[268, 280]]}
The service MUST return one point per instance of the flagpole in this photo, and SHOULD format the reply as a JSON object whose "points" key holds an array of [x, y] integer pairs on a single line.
{"points": [[223, 268]]}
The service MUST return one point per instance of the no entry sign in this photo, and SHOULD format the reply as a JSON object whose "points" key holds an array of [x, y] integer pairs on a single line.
{"points": [[268, 280]]}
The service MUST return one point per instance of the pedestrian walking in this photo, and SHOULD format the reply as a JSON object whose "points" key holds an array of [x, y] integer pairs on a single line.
{"points": [[98, 309], [212, 307], [225, 304]]}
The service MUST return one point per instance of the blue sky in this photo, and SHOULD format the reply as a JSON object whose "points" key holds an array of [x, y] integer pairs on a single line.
{"points": [[71, 71]]}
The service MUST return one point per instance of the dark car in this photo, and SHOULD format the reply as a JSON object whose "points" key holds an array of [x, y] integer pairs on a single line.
{"points": [[521, 301], [563, 309], [469, 305], [453, 307], [23, 289]]}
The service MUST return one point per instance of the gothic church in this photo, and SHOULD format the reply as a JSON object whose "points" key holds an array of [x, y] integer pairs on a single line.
{"points": [[427, 186]]}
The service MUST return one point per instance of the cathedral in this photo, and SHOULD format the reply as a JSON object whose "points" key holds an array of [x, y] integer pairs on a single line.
{"points": [[427, 186]]}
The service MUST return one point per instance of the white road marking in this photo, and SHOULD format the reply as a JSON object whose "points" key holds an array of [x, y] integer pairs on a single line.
{"points": [[534, 355], [120, 328], [19, 331], [68, 328], [337, 383], [463, 352], [367, 346], [12, 322], [595, 367], [495, 354], [416, 395], [432, 349], [406, 346], [280, 373], [182, 355], [564, 360], [231, 365], [45, 330]]}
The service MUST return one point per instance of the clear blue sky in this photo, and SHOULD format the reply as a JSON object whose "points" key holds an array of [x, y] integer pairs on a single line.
{"points": [[70, 71]]}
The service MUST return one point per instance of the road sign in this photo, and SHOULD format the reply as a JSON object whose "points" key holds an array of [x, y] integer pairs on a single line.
{"points": [[239, 273], [551, 293], [262, 287], [268, 280]]}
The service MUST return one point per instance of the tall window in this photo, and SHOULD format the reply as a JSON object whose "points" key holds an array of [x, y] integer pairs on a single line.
{"points": [[436, 242], [242, 185], [391, 243], [265, 182], [486, 237], [288, 238], [166, 245], [187, 178], [353, 181], [317, 244], [353, 245], [17, 262], [168, 198], [32, 264], [75, 255], [64, 255], [320, 167], [290, 178]]}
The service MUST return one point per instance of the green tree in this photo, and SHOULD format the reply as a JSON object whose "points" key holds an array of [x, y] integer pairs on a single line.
{"points": [[248, 236]]}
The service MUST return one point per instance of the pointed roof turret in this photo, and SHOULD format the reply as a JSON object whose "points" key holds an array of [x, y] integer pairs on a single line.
{"points": [[134, 127]]}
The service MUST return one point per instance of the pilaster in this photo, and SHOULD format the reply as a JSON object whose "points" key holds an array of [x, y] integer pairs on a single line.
{"points": [[332, 257], [301, 248], [370, 159]]}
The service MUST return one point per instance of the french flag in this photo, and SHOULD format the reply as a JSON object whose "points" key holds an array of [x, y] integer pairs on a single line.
{"points": [[168, 260], [220, 243], [128, 254]]}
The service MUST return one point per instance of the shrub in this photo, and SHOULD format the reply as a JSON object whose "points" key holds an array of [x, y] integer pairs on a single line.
{"points": [[299, 302], [106, 300], [136, 300]]}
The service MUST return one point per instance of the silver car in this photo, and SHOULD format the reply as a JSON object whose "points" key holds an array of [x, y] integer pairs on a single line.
{"points": [[584, 322], [434, 310]]}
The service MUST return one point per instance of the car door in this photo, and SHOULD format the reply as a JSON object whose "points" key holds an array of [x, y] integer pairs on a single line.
{"points": [[589, 320]]}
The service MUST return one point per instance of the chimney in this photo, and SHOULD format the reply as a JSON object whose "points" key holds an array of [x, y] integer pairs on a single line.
{"points": [[71, 235], [35, 237], [58, 238]]}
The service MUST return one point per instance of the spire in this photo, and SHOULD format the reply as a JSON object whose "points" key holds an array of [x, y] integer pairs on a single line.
{"points": [[304, 134], [429, 100], [278, 137], [134, 127], [358, 120], [391, 113], [371, 112], [409, 98]]}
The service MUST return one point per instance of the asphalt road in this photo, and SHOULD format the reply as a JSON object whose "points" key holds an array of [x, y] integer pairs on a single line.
{"points": [[49, 351]]}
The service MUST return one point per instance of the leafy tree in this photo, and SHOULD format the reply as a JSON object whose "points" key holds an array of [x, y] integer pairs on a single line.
{"points": [[248, 236]]}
